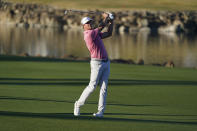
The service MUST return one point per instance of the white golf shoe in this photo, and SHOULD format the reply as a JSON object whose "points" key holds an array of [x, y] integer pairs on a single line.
{"points": [[76, 109], [98, 114]]}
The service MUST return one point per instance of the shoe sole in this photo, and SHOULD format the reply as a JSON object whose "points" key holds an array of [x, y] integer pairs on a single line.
{"points": [[97, 116]]}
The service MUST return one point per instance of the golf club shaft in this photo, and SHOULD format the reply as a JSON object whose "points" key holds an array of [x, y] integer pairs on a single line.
{"points": [[80, 11]]}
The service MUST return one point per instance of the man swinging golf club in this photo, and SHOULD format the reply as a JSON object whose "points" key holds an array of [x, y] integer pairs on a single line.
{"points": [[100, 64]]}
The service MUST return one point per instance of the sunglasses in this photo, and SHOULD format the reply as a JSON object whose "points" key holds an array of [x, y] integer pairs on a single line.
{"points": [[89, 22]]}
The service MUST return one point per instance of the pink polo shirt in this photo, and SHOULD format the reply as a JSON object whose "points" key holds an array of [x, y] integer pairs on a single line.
{"points": [[95, 44]]}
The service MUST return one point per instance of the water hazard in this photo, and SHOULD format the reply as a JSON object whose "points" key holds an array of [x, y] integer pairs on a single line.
{"points": [[50, 42]]}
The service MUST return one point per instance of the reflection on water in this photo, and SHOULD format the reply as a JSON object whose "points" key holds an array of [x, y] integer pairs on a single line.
{"points": [[182, 50]]}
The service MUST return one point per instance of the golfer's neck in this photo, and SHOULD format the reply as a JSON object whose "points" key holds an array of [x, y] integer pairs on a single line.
{"points": [[87, 29]]}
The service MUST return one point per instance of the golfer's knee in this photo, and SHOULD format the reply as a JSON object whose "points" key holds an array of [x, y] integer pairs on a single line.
{"points": [[103, 86], [91, 87], [104, 83], [103, 90]]}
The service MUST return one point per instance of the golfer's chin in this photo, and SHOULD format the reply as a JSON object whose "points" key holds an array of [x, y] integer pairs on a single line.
{"points": [[90, 28]]}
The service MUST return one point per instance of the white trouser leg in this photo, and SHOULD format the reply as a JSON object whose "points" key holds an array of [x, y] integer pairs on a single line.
{"points": [[103, 87], [96, 71]]}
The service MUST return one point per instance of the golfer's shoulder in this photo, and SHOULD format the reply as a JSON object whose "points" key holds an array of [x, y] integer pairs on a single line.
{"points": [[87, 33], [90, 33]]}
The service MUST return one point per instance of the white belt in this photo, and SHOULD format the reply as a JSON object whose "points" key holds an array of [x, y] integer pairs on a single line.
{"points": [[102, 60]]}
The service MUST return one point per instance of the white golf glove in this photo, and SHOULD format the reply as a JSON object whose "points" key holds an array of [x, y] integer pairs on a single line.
{"points": [[111, 16]]}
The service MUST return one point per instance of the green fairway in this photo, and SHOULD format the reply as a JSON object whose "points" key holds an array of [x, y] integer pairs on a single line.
{"points": [[118, 4], [39, 95]]}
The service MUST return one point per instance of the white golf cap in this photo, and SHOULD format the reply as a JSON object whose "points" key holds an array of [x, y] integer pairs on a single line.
{"points": [[85, 20]]}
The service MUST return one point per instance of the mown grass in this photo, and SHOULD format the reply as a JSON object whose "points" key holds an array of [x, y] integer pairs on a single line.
{"points": [[118, 4], [38, 94]]}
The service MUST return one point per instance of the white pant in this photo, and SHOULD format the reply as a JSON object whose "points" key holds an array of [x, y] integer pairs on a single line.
{"points": [[99, 74]]}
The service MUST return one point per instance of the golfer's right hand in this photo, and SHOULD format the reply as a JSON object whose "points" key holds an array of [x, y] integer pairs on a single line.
{"points": [[105, 15]]}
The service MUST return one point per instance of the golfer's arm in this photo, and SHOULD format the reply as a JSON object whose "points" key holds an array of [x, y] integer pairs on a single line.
{"points": [[109, 31], [102, 24], [101, 27]]}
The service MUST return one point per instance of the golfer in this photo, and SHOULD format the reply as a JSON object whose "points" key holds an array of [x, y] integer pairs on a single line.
{"points": [[100, 64]]}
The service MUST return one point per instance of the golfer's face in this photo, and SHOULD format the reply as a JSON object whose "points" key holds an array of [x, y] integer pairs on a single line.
{"points": [[88, 25]]}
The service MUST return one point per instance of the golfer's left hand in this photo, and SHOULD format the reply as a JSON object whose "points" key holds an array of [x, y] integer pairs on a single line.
{"points": [[105, 15], [111, 16]]}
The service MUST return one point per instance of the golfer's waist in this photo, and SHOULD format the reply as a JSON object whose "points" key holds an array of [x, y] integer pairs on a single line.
{"points": [[100, 60]]}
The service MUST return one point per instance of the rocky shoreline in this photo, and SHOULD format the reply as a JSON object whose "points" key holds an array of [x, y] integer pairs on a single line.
{"points": [[37, 16]]}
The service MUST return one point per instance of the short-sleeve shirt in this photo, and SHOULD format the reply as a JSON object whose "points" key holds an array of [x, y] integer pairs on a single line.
{"points": [[95, 44]]}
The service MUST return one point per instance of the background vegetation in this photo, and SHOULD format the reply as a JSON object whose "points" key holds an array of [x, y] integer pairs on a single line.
{"points": [[118, 4]]}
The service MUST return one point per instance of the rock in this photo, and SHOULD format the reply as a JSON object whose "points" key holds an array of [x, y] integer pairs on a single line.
{"points": [[140, 62], [169, 64], [167, 29], [123, 61], [133, 30], [83, 59], [25, 25], [65, 27], [145, 30], [156, 64], [142, 22], [123, 29], [38, 55], [24, 54], [175, 27], [71, 57]]}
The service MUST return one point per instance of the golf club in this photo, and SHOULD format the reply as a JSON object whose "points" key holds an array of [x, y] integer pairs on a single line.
{"points": [[111, 16], [80, 11]]}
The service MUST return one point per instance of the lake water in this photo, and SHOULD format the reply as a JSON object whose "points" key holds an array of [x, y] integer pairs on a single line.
{"points": [[180, 49]]}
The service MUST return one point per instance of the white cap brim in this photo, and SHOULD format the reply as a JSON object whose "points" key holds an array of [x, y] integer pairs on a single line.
{"points": [[85, 20]]}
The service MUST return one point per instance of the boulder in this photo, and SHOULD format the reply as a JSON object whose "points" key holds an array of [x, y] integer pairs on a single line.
{"points": [[140, 62], [123, 61], [169, 64]]}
